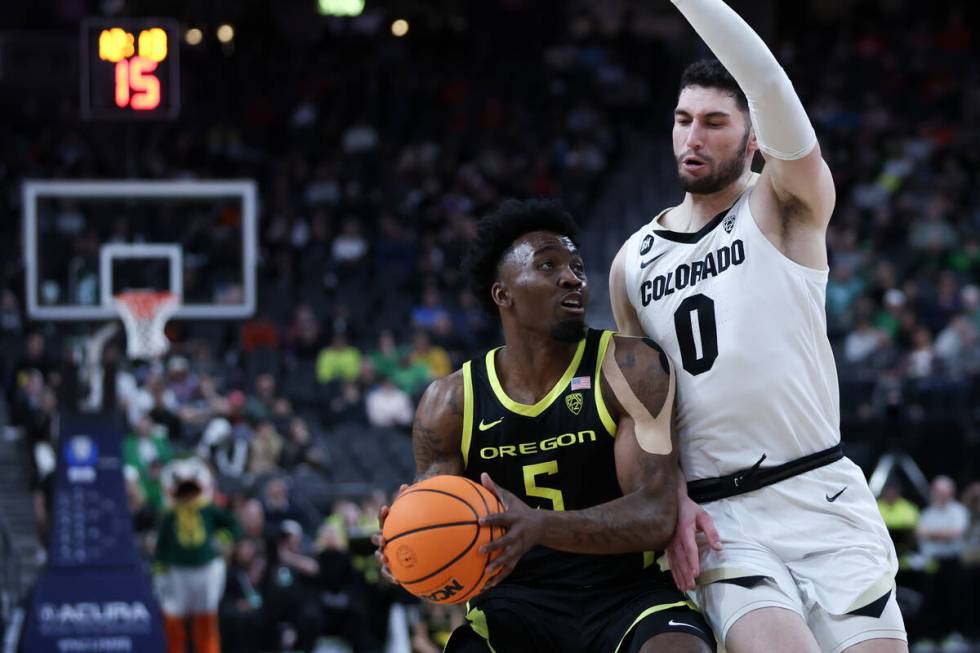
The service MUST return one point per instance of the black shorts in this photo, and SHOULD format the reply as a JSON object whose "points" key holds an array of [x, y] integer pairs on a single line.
{"points": [[620, 619]]}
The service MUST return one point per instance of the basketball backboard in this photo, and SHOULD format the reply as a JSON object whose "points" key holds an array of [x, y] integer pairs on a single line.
{"points": [[85, 241]]}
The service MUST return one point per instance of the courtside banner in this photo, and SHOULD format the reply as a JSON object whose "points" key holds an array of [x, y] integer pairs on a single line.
{"points": [[94, 595]]}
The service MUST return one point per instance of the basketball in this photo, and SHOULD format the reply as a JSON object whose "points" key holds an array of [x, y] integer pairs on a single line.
{"points": [[433, 538]]}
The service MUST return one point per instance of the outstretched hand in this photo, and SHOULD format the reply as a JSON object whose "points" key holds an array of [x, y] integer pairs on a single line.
{"points": [[379, 540], [523, 530], [683, 553]]}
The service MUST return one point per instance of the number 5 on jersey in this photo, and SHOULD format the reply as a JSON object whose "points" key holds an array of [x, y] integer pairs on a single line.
{"points": [[532, 489]]}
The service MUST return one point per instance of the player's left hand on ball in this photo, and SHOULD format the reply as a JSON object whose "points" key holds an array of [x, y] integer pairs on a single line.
{"points": [[379, 540], [522, 525]]}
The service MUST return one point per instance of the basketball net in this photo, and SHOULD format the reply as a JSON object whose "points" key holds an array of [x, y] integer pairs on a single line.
{"points": [[144, 314]]}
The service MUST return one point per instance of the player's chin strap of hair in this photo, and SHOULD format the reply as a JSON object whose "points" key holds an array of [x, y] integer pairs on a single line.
{"points": [[781, 124], [652, 433]]}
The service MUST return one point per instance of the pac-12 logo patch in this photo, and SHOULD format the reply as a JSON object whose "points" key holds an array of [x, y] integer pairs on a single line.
{"points": [[646, 244], [574, 402], [729, 222]]}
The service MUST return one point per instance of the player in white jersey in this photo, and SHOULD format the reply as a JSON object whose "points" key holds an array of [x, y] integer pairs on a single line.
{"points": [[731, 282]]}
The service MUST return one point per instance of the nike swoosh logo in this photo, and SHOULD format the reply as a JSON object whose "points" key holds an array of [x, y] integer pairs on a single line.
{"points": [[643, 264], [484, 427], [681, 623], [831, 499]]}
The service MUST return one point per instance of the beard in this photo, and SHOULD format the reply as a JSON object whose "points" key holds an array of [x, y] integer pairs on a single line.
{"points": [[726, 173], [568, 331]]}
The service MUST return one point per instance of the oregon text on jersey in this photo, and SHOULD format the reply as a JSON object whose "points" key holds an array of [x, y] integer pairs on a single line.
{"points": [[547, 444]]}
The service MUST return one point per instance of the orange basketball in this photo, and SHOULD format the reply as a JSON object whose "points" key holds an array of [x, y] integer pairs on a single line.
{"points": [[433, 538]]}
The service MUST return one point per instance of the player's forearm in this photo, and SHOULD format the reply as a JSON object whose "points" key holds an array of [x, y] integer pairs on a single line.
{"points": [[780, 121], [632, 523]]}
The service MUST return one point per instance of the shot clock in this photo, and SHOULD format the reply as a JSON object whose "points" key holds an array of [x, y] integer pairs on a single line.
{"points": [[129, 69]]}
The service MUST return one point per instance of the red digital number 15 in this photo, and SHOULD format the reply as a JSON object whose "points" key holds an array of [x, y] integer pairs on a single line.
{"points": [[136, 85]]}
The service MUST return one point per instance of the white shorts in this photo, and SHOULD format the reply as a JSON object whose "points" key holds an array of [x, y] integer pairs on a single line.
{"points": [[185, 591], [821, 549]]}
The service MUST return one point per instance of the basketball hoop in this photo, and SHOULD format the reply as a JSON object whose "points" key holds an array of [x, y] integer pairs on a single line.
{"points": [[145, 313]]}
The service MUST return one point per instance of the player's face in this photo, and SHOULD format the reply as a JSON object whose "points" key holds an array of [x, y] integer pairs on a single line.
{"points": [[543, 283], [712, 141]]}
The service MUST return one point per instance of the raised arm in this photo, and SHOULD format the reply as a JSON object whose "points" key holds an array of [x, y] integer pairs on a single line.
{"points": [[438, 427], [627, 322], [637, 384], [795, 172]]}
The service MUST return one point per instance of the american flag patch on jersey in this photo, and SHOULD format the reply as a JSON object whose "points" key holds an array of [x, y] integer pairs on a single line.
{"points": [[582, 383]]}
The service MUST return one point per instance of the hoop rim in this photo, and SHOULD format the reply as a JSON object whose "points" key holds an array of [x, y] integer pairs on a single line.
{"points": [[146, 304]]}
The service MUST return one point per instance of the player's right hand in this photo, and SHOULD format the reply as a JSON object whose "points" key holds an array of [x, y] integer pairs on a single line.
{"points": [[379, 540], [683, 553]]}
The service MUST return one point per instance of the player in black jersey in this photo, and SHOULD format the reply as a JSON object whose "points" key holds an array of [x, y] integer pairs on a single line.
{"points": [[570, 427]]}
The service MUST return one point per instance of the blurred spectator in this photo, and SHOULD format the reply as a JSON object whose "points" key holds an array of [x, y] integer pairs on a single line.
{"points": [[350, 247], [181, 381], [277, 505], [243, 613], [35, 358], [144, 514], [434, 358], [970, 557], [303, 335], [340, 360], [395, 363], [259, 406], [921, 363], [154, 396], [258, 333], [900, 515], [387, 405], [430, 311], [346, 405], [942, 527], [291, 589], [862, 341], [147, 450], [299, 447], [433, 626], [264, 449], [225, 441]]}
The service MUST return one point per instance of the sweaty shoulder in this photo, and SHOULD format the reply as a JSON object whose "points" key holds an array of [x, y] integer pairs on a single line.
{"points": [[646, 369]]}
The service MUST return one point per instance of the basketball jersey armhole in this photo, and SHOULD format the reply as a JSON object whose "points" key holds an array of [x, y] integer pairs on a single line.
{"points": [[467, 435], [600, 404], [812, 274]]}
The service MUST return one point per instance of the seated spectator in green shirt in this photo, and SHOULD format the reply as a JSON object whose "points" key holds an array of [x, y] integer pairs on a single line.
{"points": [[147, 450], [338, 361], [396, 363]]}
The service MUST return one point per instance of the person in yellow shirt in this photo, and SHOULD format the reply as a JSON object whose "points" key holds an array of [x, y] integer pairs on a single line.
{"points": [[340, 360], [434, 357], [901, 516]]}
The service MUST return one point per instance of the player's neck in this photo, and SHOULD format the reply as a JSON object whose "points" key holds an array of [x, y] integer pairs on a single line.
{"points": [[697, 210], [529, 366]]}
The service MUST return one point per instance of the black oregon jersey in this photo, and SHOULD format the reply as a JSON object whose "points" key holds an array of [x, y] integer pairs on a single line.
{"points": [[554, 455]]}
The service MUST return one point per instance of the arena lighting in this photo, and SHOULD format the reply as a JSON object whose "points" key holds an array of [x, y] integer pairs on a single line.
{"points": [[226, 33], [399, 27], [194, 36], [340, 7]]}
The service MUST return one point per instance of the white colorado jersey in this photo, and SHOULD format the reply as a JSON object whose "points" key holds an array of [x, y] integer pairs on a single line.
{"points": [[746, 330]]}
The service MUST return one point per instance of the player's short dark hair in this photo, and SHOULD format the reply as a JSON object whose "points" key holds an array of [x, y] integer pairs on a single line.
{"points": [[496, 232], [709, 73]]}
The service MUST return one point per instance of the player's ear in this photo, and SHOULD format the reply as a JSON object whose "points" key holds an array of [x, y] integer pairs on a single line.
{"points": [[751, 144], [501, 294]]}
